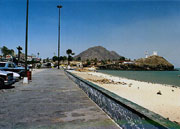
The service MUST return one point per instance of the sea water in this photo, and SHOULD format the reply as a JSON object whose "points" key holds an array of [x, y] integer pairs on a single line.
{"points": [[161, 77]]}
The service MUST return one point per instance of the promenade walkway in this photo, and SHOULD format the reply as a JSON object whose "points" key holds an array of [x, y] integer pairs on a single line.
{"points": [[50, 101]]}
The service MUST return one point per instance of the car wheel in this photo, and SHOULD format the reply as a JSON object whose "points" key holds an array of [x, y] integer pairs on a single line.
{"points": [[1, 84]]}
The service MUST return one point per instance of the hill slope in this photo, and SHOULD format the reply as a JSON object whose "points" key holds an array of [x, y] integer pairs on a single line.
{"points": [[155, 62], [98, 52]]}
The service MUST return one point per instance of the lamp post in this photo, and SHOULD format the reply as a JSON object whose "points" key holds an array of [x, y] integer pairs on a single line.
{"points": [[26, 42], [59, 7], [25, 79]]}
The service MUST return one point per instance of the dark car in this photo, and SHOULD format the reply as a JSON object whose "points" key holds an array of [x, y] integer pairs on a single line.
{"points": [[10, 66], [6, 79]]}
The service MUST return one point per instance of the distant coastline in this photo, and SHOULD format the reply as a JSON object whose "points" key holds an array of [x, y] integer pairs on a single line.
{"points": [[104, 59], [101, 68], [161, 77], [115, 69]]}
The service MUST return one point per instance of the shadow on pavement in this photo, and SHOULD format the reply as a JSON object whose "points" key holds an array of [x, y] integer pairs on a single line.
{"points": [[8, 87]]}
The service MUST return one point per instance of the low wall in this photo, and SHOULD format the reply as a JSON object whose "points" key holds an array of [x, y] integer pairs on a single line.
{"points": [[126, 114]]}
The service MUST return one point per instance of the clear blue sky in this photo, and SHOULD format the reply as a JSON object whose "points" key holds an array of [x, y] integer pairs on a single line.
{"points": [[127, 27]]}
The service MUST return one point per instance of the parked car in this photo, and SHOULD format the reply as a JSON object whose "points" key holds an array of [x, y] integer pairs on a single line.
{"points": [[6, 79], [10, 66], [16, 76]]}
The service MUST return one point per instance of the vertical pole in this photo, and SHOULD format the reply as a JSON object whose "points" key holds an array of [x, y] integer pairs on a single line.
{"points": [[59, 7], [59, 40], [26, 44]]}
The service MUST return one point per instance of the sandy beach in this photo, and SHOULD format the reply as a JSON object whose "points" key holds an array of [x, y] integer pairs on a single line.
{"points": [[161, 99]]}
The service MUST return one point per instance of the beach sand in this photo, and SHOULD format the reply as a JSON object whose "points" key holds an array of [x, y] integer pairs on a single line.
{"points": [[161, 99]]}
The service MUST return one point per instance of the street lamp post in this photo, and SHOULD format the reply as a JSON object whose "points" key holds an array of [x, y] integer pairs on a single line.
{"points": [[26, 42], [59, 7]]}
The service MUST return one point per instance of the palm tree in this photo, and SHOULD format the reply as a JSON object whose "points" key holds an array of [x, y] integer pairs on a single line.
{"points": [[64, 58], [19, 51], [5, 51], [69, 53]]}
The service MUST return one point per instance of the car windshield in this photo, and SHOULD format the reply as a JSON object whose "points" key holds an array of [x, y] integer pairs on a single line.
{"points": [[2, 64]]}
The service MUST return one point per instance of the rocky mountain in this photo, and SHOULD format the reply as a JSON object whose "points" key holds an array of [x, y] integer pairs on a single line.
{"points": [[115, 54], [98, 52]]}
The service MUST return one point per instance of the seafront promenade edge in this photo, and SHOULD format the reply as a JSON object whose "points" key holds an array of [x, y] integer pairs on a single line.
{"points": [[125, 113]]}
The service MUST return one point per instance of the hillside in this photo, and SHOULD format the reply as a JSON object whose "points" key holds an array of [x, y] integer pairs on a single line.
{"points": [[154, 62], [98, 52]]}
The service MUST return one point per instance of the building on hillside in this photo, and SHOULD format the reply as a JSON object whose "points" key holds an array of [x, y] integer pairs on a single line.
{"points": [[128, 62], [155, 53], [79, 65], [146, 54]]}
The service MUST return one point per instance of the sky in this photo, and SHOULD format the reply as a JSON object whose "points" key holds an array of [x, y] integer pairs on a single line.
{"points": [[129, 27]]}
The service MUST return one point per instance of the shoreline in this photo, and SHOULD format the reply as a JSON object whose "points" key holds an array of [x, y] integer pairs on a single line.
{"points": [[140, 80], [164, 84], [159, 98], [175, 69]]}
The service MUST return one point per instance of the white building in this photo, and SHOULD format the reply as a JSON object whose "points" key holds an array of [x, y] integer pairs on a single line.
{"points": [[155, 53], [146, 54]]}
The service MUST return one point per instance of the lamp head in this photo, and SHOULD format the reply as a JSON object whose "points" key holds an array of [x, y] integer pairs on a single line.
{"points": [[59, 6]]}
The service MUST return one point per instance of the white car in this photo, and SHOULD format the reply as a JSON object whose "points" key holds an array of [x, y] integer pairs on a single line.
{"points": [[16, 76], [6, 79]]}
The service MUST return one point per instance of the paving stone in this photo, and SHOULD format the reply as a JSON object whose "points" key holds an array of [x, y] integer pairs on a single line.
{"points": [[50, 101]]}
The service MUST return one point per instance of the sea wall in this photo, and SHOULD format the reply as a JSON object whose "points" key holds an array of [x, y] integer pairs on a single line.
{"points": [[126, 114]]}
